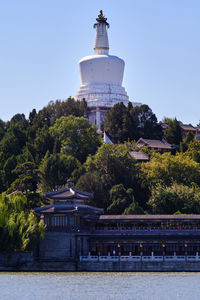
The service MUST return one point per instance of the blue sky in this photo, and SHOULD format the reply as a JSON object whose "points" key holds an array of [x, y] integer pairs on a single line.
{"points": [[42, 41]]}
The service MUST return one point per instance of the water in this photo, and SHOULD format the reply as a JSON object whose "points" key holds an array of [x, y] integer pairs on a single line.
{"points": [[99, 286]]}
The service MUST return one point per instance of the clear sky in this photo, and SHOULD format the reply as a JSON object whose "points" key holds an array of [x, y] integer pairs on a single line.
{"points": [[41, 42]]}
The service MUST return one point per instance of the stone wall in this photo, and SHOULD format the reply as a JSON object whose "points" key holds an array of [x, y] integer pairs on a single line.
{"points": [[16, 258], [73, 266], [138, 267], [63, 246], [57, 246]]}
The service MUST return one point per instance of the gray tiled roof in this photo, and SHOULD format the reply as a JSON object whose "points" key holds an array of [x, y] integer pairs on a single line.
{"points": [[188, 127], [158, 144], [68, 208], [148, 217], [69, 193], [139, 155]]}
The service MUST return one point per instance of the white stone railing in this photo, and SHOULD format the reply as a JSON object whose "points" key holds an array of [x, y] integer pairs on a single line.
{"points": [[142, 258]]}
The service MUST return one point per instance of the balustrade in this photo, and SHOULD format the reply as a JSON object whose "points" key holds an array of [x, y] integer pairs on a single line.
{"points": [[142, 258]]}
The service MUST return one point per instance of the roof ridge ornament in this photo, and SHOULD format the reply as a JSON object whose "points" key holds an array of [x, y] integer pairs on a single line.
{"points": [[101, 19], [101, 16], [69, 183]]}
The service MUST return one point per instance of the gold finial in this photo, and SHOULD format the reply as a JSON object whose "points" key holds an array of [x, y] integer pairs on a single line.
{"points": [[101, 16]]}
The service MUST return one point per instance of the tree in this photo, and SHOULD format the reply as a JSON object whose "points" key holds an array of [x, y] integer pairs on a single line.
{"points": [[175, 198], [130, 123], [186, 141], [111, 165], [146, 123], [117, 122], [19, 229], [15, 136], [7, 175], [56, 109], [93, 182], [173, 134], [134, 209], [77, 136], [27, 177], [166, 169], [193, 150], [43, 142], [55, 169], [122, 201], [114, 164], [2, 128]]}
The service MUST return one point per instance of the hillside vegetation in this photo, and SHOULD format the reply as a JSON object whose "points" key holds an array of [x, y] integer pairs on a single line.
{"points": [[39, 153]]}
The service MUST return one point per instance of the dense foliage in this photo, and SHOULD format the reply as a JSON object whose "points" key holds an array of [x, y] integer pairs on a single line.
{"points": [[40, 153], [19, 228], [130, 123]]}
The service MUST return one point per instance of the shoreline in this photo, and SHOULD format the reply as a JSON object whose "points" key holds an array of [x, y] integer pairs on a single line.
{"points": [[73, 266]]}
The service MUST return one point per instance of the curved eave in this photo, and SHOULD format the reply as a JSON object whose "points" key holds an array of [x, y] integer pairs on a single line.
{"points": [[69, 208], [69, 193]]}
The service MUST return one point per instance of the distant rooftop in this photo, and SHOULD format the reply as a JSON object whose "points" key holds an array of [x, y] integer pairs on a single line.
{"points": [[69, 208], [139, 156], [68, 193], [188, 127], [148, 217], [155, 144], [184, 127]]}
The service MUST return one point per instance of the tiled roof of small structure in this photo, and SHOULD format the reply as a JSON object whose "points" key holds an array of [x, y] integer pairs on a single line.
{"points": [[187, 127], [139, 155], [147, 217], [69, 193], [68, 208], [158, 144], [164, 125]]}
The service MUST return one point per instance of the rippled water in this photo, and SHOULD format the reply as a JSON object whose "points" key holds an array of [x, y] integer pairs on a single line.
{"points": [[100, 286]]}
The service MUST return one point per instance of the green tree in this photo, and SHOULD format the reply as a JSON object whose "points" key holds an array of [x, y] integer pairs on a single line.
{"points": [[19, 229], [2, 128], [27, 177], [114, 164], [43, 142], [193, 150], [118, 122], [93, 182], [55, 169], [15, 136], [146, 123], [122, 201], [130, 123], [173, 134], [56, 109], [7, 175], [111, 165], [77, 136], [174, 198], [186, 141], [166, 169]]}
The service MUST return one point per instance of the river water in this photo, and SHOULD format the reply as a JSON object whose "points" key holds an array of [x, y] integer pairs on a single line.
{"points": [[99, 286]]}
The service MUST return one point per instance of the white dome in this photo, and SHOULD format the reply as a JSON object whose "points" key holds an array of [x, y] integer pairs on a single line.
{"points": [[101, 69]]}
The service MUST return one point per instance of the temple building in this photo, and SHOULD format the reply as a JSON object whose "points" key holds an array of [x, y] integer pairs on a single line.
{"points": [[76, 231], [101, 76]]}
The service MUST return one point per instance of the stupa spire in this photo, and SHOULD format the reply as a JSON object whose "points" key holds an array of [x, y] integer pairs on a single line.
{"points": [[101, 76], [101, 44]]}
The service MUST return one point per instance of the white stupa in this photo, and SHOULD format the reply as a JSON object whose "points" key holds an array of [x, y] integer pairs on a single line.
{"points": [[101, 76]]}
